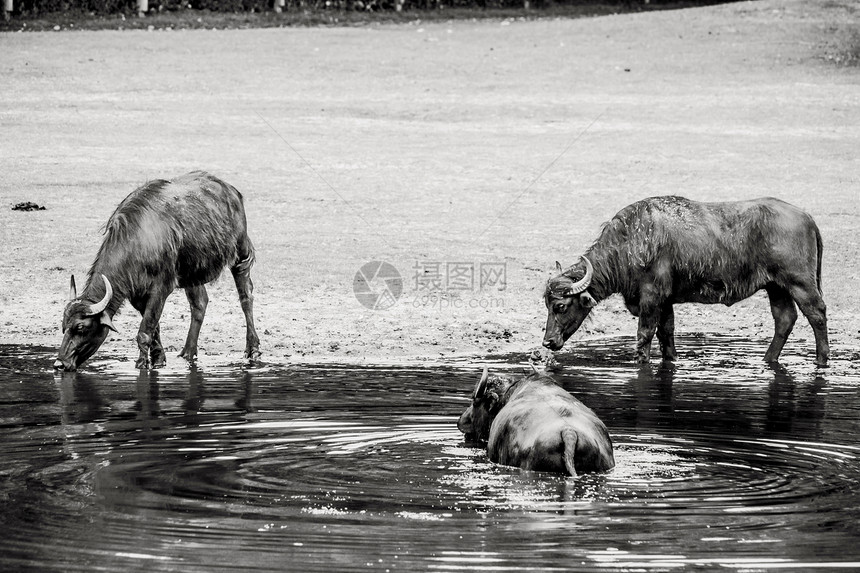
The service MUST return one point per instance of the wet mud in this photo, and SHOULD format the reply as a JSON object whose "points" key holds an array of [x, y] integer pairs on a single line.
{"points": [[722, 461]]}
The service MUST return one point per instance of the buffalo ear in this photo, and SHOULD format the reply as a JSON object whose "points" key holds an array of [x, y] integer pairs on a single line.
{"points": [[587, 300], [73, 290], [558, 266], [105, 320]]}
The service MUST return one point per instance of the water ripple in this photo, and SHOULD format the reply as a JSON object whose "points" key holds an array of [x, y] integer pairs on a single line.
{"points": [[720, 463]]}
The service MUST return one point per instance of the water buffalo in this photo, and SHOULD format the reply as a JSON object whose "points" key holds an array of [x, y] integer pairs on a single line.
{"points": [[666, 250], [165, 234], [532, 423]]}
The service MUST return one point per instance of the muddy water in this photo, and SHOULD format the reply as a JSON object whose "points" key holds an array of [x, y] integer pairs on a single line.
{"points": [[722, 461]]}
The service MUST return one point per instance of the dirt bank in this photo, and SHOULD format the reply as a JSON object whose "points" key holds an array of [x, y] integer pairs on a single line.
{"points": [[495, 146]]}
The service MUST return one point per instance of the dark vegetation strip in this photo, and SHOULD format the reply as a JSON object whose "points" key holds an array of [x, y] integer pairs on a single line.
{"points": [[40, 15]]}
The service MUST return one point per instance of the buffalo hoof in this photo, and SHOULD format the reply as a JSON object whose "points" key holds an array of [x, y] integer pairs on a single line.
{"points": [[158, 359], [142, 364], [253, 354], [821, 362], [189, 355]]}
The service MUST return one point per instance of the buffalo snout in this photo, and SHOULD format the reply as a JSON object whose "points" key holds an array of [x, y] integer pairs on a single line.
{"points": [[553, 344], [63, 365]]}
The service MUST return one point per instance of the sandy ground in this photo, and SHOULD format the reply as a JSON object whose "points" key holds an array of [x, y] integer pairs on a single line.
{"points": [[495, 144]]}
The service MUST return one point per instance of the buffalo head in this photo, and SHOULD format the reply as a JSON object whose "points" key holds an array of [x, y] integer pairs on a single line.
{"points": [[487, 399], [568, 302], [85, 327]]}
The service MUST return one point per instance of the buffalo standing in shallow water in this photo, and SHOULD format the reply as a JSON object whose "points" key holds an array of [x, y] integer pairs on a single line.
{"points": [[532, 423], [166, 234], [666, 250]]}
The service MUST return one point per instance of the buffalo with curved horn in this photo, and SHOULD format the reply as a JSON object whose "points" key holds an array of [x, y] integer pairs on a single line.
{"points": [[667, 250], [165, 234], [85, 326]]}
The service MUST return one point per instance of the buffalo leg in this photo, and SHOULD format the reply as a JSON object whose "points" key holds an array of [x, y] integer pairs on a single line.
{"points": [[156, 350], [198, 299], [647, 325], [148, 328], [649, 317], [244, 286], [666, 332], [813, 308], [784, 316]]}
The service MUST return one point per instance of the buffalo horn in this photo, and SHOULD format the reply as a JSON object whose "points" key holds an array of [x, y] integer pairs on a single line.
{"points": [[73, 290], [582, 283], [482, 384], [99, 307]]}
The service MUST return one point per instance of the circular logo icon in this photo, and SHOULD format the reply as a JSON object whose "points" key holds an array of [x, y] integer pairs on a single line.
{"points": [[377, 285]]}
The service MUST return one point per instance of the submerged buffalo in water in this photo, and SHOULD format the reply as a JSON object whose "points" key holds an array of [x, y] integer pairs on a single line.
{"points": [[166, 234], [666, 250], [532, 423]]}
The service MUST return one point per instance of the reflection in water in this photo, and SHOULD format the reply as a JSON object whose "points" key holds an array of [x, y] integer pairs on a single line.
{"points": [[80, 401], [785, 406], [720, 462], [653, 387]]}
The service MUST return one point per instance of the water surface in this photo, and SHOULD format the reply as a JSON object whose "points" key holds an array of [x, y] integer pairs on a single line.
{"points": [[722, 461]]}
